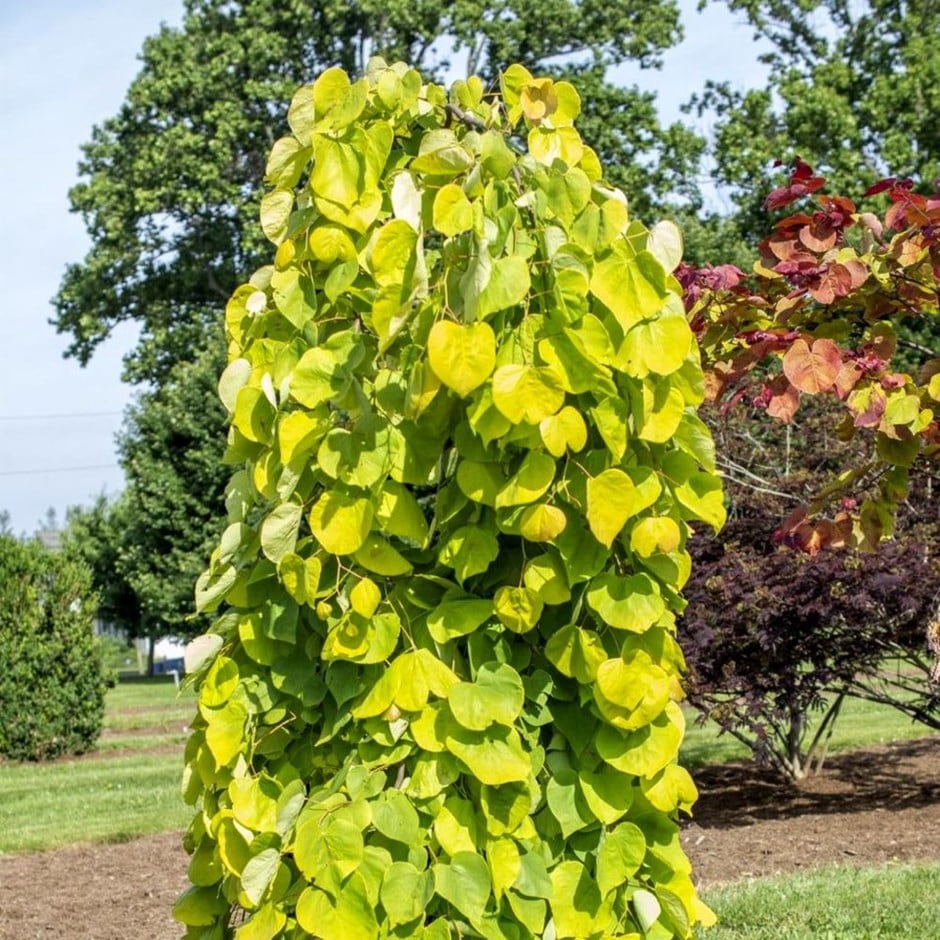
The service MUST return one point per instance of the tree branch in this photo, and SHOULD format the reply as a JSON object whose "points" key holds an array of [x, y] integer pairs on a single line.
{"points": [[470, 120]]}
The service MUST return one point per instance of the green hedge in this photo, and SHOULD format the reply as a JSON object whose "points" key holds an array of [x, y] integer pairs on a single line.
{"points": [[52, 677]]}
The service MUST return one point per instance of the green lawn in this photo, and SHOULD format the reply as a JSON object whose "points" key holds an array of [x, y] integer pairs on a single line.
{"points": [[831, 904], [44, 806], [131, 785], [860, 724], [102, 798]]}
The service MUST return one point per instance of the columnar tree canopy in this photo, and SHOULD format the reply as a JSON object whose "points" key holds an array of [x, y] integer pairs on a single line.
{"points": [[441, 696]]}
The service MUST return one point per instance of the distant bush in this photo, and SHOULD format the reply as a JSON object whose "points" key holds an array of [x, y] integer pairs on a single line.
{"points": [[52, 677]]}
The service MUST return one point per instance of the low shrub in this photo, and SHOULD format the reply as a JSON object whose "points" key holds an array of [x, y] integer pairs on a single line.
{"points": [[52, 676]]}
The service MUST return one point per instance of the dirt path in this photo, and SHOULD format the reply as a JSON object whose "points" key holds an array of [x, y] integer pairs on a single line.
{"points": [[869, 807], [122, 891]]}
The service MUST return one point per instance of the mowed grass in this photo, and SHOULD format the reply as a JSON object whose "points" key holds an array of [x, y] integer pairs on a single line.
{"points": [[146, 714], [860, 724], [831, 904], [130, 785], [98, 797]]}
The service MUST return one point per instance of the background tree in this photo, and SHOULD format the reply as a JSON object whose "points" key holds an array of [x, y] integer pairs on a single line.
{"points": [[175, 493], [147, 548], [95, 534], [171, 185], [772, 635], [854, 88]]}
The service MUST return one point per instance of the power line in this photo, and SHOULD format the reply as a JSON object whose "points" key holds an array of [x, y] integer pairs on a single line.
{"points": [[18, 473], [57, 417]]}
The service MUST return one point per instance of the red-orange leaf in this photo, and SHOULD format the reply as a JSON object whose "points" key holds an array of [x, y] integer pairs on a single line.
{"points": [[812, 370], [819, 236], [784, 399], [847, 379]]}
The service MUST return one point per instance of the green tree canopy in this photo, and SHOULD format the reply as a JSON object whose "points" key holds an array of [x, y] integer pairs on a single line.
{"points": [[146, 548], [854, 89], [170, 186], [95, 535], [175, 492]]}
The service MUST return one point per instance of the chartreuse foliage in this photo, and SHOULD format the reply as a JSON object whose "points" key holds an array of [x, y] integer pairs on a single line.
{"points": [[440, 700]]}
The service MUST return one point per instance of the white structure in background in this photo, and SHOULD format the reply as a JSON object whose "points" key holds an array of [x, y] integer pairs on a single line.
{"points": [[167, 655]]}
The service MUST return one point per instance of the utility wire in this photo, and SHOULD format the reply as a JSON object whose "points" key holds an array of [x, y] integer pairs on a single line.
{"points": [[18, 473], [57, 417]]}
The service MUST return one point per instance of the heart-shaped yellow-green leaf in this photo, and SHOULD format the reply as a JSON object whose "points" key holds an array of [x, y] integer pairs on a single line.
{"points": [[462, 357], [545, 574], [298, 432], [647, 750], [527, 393], [495, 696], [341, 521], [626, 603], [329, 243], [631, 694], [392, 254], [398, 513], [300, 577], [607, 793], [279, 530], [632, 288], [480, 481], [507, 286], [458, 618], [659, 345], [611, 501], [665, 244], [377, 556], [276, 208], [494, 756], [703, 497], [576, 653], [361, 640], [452, 213], [529, 482], [933, 387], [519, 608], [610, 419], [655, 534], [365, 597], [563, 431], [659, 412], [542, 523]]}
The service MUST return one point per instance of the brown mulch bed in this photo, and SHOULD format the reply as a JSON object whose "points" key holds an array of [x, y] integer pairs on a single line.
{"points": [[868, 808]]}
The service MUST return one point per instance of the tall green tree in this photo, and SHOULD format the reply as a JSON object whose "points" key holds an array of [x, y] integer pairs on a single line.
{"points": [[854, 89], [95, 534], [170, 186], [146, 548], [175, 494]]}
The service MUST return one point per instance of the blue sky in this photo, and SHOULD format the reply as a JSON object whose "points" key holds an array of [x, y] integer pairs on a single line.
{"points": [[66, 66]]}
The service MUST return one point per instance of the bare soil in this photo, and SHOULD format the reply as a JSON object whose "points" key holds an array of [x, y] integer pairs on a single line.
{"points": [[867, 808]]}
